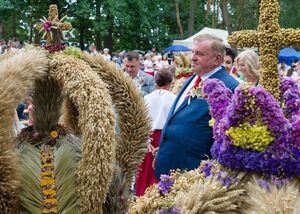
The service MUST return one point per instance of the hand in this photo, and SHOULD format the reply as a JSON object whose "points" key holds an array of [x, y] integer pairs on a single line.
{"points": [[154, 151], [154, 163], [150, 147]]}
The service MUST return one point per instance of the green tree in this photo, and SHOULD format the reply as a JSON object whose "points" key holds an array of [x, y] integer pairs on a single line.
{"points": [[289, 15], [82, 21]]}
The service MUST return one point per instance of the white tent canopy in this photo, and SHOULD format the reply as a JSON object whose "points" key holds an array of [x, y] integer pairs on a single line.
{"points": [[222, 34]]}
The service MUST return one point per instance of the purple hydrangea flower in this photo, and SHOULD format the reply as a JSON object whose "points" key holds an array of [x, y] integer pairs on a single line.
{"points": [[264, 184], [282, 157], [225, 179], [296, 131], [206, 168], [172, 210], [165, 184], [291, 95], [278, 181], [219, 97]]}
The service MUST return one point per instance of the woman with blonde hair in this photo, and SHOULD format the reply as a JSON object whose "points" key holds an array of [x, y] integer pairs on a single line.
{"points": [[248, 65]]}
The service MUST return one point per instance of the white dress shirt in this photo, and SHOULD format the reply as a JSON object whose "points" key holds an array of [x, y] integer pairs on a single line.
{"points": [[189, 87]]}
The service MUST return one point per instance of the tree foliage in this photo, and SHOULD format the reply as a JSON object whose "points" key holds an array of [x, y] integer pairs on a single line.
{"points": [[136, 24]]}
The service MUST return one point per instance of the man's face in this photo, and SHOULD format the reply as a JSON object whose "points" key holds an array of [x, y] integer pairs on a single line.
{"points": [[93, 48], [132, 67], [203, 58]]}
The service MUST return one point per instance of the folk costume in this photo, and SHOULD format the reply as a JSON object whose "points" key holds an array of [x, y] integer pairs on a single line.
{"points": [[159, 103]]}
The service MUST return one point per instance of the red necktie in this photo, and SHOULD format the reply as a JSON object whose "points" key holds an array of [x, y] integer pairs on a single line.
{"points": [[196, 84]]}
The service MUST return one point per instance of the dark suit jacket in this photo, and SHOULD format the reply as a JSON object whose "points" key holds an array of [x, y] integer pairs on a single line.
{"points": [[186, 138]]}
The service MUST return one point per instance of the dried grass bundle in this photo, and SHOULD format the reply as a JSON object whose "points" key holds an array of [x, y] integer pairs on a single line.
{"points": [[284, 199], [96, 121], [17, 75], [133, 116], [210, 197], [134, 123], [47, 102]]}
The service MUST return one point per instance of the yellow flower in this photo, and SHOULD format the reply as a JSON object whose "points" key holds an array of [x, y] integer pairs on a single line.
{"points": [[211, 122], [248, 136], [49, 192], [47, 165], [47, 173], [47, 181], [50, 210], [54, 134], [50, 201]]}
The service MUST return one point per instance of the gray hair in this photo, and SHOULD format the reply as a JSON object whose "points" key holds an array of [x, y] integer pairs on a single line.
{"points": [[217, 46]]}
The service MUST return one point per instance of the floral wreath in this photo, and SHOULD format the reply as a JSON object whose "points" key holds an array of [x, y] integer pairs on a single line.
{"points": [[251, 132], [244, 175]]}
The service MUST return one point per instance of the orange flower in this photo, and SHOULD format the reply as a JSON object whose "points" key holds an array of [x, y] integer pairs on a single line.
{"points": [[54, 134]]}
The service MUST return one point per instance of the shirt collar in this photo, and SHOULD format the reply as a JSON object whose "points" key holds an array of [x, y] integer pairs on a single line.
{"points": [[207, 75], [137, 76]]}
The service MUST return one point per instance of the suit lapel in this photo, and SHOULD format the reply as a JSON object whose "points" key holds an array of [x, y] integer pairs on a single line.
{"points": [[173, 111], [183, 104]]}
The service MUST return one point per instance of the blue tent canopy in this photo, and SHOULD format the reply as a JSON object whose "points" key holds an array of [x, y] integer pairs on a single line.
{"points": [[288, 55], [176, 48]]}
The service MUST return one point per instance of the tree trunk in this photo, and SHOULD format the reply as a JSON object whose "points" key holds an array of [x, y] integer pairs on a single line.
{"points": [[191, 17], [30, 30], [81, 34], [98, 33], [14, 25], [30, 26], [242, 20], [1, 30], [178, 19], [108, 41], [213, 19], [208, 4], [225, 15], [37, 37]]}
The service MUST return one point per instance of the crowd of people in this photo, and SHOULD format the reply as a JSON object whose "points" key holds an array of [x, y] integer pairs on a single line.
{"points": [[10, 45], [178, 141]]}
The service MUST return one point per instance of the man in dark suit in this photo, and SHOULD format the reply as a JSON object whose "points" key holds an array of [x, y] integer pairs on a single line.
{"points": [[144, 82], [186, 138]]}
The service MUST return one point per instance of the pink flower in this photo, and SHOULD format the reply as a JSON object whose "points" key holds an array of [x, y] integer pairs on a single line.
{"points": [[36, 134], [47, 26]]}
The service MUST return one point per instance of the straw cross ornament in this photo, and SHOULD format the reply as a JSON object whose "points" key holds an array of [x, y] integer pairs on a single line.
{"points": [[53, 26], [269, 38]]}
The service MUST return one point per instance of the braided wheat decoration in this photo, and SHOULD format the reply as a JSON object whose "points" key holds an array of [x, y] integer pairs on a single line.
{"points": [[85, 89], [17, 75]]}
